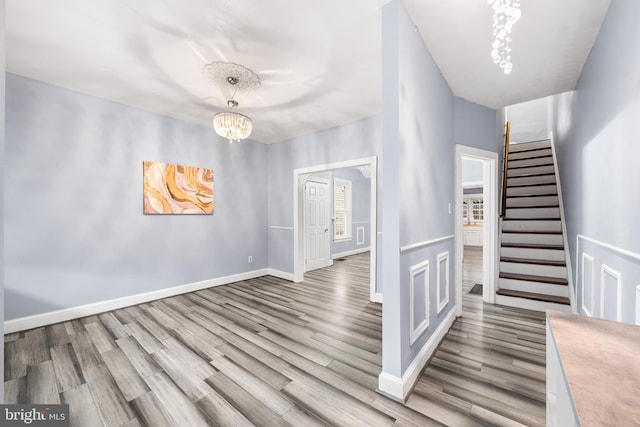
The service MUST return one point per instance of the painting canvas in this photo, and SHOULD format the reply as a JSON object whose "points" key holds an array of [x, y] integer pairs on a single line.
{"points": [[177, 189]]}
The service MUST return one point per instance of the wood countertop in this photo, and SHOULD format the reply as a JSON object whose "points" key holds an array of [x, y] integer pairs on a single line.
{"points": [[601, 362]]}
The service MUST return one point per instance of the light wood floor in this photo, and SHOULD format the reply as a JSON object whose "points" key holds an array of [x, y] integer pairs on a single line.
{"points": [[268, 352]]}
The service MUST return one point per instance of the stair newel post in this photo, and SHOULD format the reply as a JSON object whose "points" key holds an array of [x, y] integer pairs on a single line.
{"points": [[505, 162]]}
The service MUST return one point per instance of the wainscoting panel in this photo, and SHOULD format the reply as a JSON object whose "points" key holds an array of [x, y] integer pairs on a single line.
{"points": [[610, 294], [587, 284], [418, 300], [614, 294], [443, 280]]}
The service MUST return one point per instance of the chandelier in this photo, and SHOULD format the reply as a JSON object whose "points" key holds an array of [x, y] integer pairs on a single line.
{"points": [[229, 124], [505, 14]]}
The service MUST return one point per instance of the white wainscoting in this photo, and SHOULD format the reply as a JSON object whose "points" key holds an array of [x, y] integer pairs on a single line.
{"points": [[443, 280], [588, 281], [359, 235], [397, 387], [416, 330], [37, 320], [606, 271]]}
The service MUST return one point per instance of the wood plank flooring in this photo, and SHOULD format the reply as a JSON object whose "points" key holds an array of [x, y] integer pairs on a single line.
{"points": [[268, 352]]}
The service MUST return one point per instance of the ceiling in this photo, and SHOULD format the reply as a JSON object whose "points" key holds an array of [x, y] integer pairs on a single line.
{"points": [[319, 61]]}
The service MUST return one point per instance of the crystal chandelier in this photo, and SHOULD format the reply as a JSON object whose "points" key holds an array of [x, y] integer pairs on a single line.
{"points": [[505, 14], [229, 124]]}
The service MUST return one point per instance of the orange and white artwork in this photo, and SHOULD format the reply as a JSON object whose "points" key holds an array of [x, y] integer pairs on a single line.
{"points": [[177, 189]]}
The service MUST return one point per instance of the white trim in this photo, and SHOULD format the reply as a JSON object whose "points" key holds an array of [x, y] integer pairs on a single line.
{"points": [[360, 240], [399, 388], [37, 320], [425, 243], [280, 274], [298, 236], [608, 246], [277, 227], [565, 239], [416, 331], [360, 222], [473, 184], [349, 253], [442, 302], [589, 311], [637, 305], [490, 224], [605, 269]]}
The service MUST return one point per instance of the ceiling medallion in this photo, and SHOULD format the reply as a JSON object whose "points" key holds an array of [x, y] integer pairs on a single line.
{"points": [[229, 124], [505, 14]]}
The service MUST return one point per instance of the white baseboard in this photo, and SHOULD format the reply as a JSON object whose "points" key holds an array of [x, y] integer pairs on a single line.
{"points": [[37, 320], [280, 274], [348, 253], [398, 388]]}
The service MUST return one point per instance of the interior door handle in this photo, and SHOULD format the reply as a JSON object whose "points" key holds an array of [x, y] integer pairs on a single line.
{"points": [[326, 229]]}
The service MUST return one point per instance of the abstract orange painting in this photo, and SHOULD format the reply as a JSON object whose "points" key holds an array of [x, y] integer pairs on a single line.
{"points": [[177, 189]]}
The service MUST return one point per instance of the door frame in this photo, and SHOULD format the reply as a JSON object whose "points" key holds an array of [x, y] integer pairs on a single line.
{"points": [[304, 219], [490, 222], [300, 175]]}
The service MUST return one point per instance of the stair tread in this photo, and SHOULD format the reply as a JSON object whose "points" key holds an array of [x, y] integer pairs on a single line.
{"points": [[533, 219], [534, 261], [533, 246], [529, 166], [531, 295], [528, 158], [537, 184], [530, 175], [532, 195], [531, 232], [533, 278], [527, 149], [534, 206]]}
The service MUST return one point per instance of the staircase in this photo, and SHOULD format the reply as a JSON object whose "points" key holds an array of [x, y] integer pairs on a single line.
{"points": [[533, 269]]}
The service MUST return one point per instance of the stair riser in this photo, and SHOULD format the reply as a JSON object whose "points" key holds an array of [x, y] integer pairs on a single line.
{"points": [[533, 213], [531, 201], [515, 155], [541, 189], [542, 179], [533, 269], [545, 239], [515, 225], [531, 305], [514, 163], [535, 287], [544, 254], [525, 171], [515, 146]]}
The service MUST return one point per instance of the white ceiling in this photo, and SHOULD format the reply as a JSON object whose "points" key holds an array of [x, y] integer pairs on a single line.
{"points": [[319, 61]]}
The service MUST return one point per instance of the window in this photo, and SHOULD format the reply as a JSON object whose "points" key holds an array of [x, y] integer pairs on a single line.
{"points": [[341, 209]]}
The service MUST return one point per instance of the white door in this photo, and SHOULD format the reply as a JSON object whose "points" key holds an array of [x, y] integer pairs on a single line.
{"points": [[316, 218]]}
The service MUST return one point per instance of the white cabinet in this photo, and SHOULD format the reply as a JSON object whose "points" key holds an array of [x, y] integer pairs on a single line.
{"points": [[473, 235], [560, 409]]}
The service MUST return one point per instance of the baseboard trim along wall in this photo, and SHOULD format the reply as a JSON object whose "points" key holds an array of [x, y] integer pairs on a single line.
{"points": [[399, 388], [349, 253], [38, 320], [280, 274]]}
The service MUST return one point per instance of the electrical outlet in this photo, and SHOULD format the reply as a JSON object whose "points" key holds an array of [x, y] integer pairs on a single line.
{"points": [[250, 259]]}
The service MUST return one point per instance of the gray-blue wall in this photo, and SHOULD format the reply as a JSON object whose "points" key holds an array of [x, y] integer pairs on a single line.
{"points": [[597, 142], [422, 123], [74, 228], [419, 177], [356, 140], [2, 128]]}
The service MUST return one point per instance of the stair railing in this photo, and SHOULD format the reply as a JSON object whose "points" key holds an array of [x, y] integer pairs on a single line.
{"points": [[505, 162]]}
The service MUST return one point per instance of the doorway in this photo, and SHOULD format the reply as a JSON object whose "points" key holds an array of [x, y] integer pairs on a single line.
{"points": [[367, 166], [316, 224], [477, 216]]}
